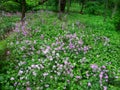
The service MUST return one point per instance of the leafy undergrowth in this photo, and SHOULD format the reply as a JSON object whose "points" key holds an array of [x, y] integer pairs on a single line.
{"points": [[80, 52], [6, 24]]}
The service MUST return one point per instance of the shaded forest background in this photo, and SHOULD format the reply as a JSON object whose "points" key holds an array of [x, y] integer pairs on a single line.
{"points": [[96, 7]]}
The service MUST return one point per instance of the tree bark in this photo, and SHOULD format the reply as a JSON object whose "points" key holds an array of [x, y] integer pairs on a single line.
{"points": [[106, 8], [68, 5], [82, 5], [42, 2], [60, 13], [114, 10], [62, 5], [23, 10]]}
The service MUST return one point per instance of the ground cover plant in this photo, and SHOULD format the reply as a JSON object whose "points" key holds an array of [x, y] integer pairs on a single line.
{"points": [[7, 24], [81, 52]]}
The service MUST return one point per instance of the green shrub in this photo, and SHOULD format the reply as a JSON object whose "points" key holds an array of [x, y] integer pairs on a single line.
{"points": [[94, 8], [10, 6]]}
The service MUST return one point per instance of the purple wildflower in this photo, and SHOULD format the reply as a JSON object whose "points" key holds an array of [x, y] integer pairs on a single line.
{"points": [[89, 84], [15, 83], [42, 36], [104, 67], [78, 77], [28, 88], [24, 33], [74, 35], [94, 66], [104, 87], [20, 72], [71, 45], [85, 49], [101, 75], [46, 50], [45, 74], [80, 42]]}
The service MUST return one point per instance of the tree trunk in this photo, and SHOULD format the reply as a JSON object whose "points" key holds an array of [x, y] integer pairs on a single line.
{"points": [[68, 5], [114, 10], [60, 13], [106, 8], [23, 10], [59, 6], [82, 4], [81, 11], [62, 5]]}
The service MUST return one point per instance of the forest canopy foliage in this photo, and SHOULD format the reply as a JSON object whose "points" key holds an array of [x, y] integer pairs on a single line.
{"points": [[96, 7]]}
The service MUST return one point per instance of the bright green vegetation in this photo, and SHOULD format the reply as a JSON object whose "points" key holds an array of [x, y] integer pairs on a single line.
{"points": [[3, 46], [81, 52]]}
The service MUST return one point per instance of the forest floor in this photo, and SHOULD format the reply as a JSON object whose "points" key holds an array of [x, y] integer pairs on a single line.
{"points": [[79, 52]]}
